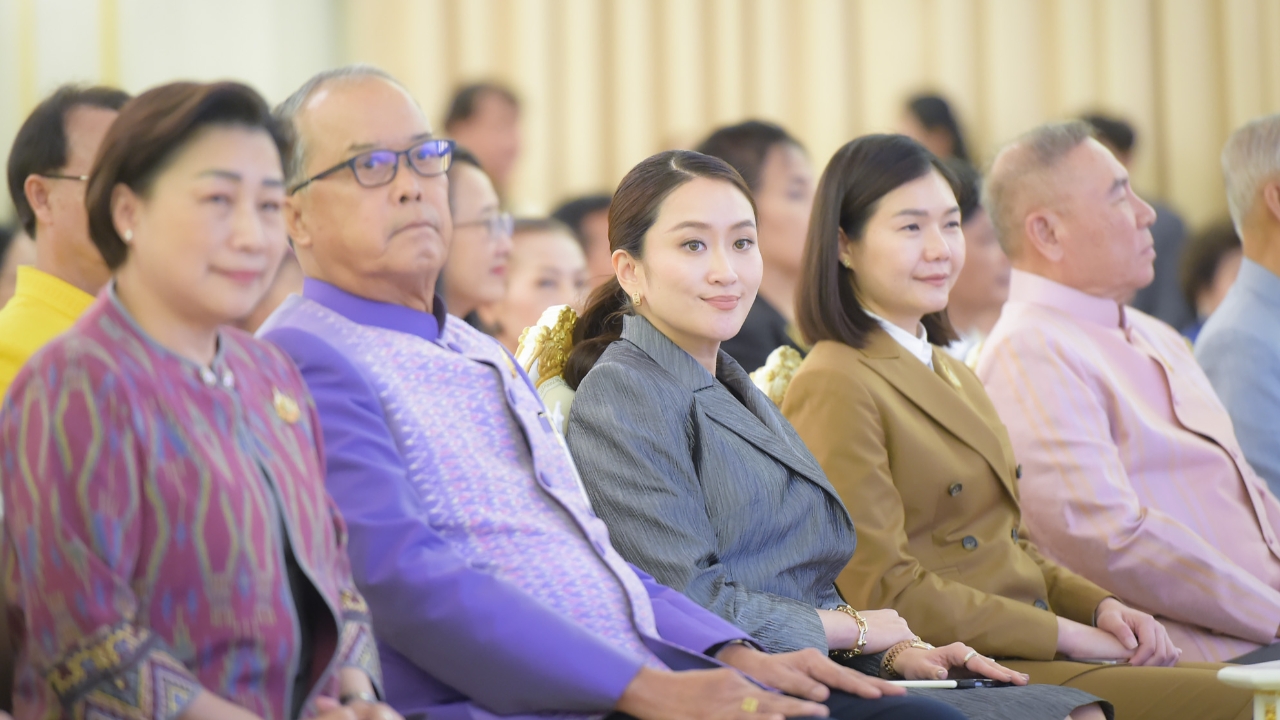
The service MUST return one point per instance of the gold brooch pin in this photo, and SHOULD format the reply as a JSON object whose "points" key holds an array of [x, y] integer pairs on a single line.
{"points": [[951, 377], [286, 407]]}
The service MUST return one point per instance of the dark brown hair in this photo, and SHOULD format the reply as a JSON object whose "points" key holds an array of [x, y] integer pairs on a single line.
{"points": [[41, 143], [466, 101], [858, 176], [1202, 256], [151, 130], [745, 146], [634, 209]]}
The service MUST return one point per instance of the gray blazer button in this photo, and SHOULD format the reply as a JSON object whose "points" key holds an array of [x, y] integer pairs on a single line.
{"points": [[969, 542], [955, 489], [1041, 604]]}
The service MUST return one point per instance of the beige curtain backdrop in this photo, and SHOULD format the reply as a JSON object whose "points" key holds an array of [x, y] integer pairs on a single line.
{"points": [[607, 82]]}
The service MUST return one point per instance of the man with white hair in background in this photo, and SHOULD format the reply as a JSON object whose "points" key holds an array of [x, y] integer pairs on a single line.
{"points": [[1132, 475], [1239, 347]]}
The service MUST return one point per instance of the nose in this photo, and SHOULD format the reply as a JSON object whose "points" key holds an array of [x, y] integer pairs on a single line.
{"points": [[936, 247], [407, 184], [721, 270], [248, 233], [1144, 214]]}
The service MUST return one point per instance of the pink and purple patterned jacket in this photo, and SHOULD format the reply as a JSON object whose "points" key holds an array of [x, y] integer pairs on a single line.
{"points": [[143, 528]]}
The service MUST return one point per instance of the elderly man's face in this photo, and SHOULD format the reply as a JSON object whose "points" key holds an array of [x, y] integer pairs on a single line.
{"points": [[1107, 246], [385, 243]]}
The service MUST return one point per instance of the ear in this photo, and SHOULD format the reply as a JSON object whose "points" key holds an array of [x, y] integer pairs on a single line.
{"points": [[37, 191], [294, 224], [1044, 232], [846, 249], [627, 268], [126, 208], [1271, 198]]}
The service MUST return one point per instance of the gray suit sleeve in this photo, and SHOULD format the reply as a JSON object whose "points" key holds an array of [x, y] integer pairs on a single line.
{"points": [[633, 443]]}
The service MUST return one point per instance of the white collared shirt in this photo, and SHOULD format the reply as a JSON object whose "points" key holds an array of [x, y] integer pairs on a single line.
{"points": [[918, 344]]}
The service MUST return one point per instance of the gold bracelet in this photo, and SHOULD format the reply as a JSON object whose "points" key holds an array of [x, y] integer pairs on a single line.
{"points": [[862, 630], [891, 655]]}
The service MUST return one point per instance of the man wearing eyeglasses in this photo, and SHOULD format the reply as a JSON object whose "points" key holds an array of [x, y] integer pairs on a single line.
{"points": [[492, 586], [49, 165]]}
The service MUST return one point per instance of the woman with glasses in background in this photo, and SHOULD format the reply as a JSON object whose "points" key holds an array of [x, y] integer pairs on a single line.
{"points": [[476, 271], [177, 555]]}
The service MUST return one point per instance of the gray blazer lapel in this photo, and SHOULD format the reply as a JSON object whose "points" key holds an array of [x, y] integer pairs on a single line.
{"points": [[754, 419]]}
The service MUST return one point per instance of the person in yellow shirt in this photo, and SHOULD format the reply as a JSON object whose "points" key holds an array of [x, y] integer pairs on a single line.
{"points": [[48, 168]]}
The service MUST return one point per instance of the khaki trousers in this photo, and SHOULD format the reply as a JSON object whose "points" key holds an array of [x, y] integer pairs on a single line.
{"points": [[1190, 691]]}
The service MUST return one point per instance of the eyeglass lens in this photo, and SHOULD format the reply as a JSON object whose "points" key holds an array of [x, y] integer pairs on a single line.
{"points": [[378, 167]]}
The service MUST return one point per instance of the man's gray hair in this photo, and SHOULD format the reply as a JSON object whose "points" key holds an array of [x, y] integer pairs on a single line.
{"points": [[1250, 158], [1027, 159], [287, 111]]}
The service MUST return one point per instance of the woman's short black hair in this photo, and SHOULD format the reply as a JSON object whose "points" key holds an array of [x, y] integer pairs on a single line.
{"points": [[745, 146], [151, 129], [1203, 255]]}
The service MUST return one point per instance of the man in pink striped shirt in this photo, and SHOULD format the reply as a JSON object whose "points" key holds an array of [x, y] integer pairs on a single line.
{"points": [[1132, 475]]}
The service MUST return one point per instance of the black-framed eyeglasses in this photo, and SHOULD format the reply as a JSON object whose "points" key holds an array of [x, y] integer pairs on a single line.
{"points": [[498, 224], [378, 167], [61, 176]]}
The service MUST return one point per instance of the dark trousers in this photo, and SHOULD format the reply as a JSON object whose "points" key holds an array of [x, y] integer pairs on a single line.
{"points": [[1266, 653], [851, 707]]}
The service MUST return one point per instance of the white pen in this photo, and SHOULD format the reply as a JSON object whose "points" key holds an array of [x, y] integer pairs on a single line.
{"points": [[941, 684]]}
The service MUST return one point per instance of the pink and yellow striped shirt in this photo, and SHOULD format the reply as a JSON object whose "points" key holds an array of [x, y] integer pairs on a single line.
{"points": [[1132, 475]]}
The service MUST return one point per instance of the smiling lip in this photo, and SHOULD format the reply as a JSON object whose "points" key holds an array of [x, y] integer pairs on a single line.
{"points": [[940, 279], [242, 277], [723, 302]]}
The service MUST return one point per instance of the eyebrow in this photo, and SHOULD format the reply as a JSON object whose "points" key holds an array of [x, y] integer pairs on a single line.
{"points": [[361, 147], [237, 177], [697, 225], [1119, 184], [917, 212]]}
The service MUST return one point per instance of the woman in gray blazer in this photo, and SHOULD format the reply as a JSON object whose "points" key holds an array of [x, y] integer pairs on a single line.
{"points": [[700, 479]]}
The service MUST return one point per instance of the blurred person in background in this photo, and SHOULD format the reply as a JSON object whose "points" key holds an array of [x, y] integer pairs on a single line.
{"points": [[476, 270], [485, 119], [1210, 266], [16, 249], [1163, 298], [547, 267], [1239, 346], [178, 554], [780, 176], [928, 119], [287, 281], [48, 168], [588, 217], [983, 284]]}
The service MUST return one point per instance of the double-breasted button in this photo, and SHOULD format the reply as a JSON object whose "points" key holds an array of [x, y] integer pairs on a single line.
{"points": [[1041, 604], [1017, 472], [1014, 533], [970, 542], [955, 489]]}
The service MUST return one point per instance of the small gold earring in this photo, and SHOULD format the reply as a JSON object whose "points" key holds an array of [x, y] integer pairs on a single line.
{"points": [[636, 298], [845, 262]]}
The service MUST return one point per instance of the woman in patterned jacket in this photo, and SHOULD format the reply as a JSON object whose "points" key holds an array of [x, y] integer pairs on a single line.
{"points": [[170, 545]]}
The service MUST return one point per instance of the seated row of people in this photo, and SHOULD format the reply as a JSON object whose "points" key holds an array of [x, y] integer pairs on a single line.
{"points": [[197, 558]]}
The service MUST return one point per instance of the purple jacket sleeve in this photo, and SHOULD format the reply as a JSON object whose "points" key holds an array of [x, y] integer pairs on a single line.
{"points": [[462, 626], [685, 622]]}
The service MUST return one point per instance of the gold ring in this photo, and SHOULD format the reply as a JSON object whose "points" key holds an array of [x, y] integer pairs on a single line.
{"points": [[750, 704], [972, 654]]}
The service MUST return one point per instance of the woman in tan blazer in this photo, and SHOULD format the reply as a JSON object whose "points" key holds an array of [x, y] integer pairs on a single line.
{"points": [[909, 439]]}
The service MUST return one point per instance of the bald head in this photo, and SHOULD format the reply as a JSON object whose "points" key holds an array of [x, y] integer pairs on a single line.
{"points": [[1022, 177], [291, 110]]}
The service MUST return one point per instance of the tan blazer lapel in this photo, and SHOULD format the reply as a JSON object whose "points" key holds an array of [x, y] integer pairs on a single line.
{"points": [[934, 393]]}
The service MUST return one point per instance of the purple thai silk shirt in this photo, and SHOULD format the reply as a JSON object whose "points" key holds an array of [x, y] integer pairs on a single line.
{"points": [[150, 503], [493, 586]]}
